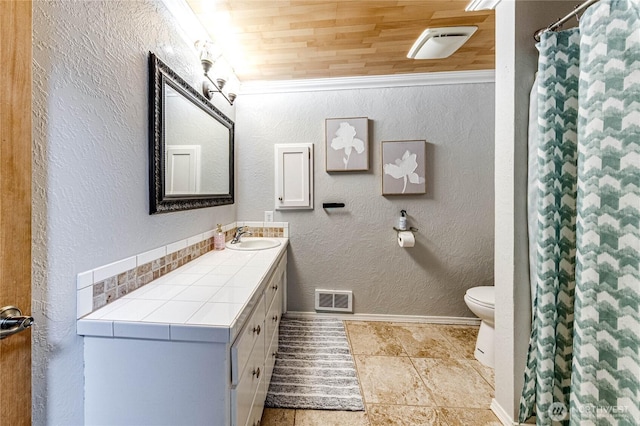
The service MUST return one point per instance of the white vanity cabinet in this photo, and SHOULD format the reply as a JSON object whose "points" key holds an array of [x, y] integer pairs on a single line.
{"points": [[252, 369], [148, 373]]}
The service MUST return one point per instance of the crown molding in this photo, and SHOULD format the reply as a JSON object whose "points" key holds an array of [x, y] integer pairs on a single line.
{"points": [[367, 82]]}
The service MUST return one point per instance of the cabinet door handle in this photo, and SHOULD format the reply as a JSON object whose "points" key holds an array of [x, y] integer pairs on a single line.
{"points": [[273, 354], [275, 318], [275, 286], [256, 330], [256, 372], [280, 199]]}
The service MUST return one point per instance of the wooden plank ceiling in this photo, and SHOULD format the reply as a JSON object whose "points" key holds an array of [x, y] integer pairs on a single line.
{"points": [[299, 39]]}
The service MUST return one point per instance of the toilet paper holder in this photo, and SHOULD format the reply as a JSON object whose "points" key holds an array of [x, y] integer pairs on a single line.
{"points": [[411, 228], [407, 237]]}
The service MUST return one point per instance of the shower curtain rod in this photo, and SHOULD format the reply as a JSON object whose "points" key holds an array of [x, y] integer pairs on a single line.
{"points": [[560, 22]]}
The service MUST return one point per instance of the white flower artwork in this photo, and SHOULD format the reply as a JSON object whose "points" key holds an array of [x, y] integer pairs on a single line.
{"points": [[347, 144], [403, 166], [345, 139]]}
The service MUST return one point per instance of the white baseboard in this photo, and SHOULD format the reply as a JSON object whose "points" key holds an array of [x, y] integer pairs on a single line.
{"points": [[505, 418], [500, 413], [388, 318]]}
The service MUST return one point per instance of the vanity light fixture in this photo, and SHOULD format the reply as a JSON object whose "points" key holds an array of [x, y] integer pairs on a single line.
{"points": [[438, 43], [209, 54]]}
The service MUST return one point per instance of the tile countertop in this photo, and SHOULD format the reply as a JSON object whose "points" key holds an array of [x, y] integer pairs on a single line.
{"points": [[201, 301]]}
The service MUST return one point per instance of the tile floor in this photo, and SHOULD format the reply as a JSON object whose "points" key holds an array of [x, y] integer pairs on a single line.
{"points": [[410, 374]]}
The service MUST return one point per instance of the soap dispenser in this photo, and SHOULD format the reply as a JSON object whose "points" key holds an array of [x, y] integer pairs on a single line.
{"points": [[218, 239], [402, 220]]}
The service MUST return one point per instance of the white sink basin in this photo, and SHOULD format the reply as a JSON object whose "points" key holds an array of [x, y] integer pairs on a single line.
{"points": [[249, 243]]}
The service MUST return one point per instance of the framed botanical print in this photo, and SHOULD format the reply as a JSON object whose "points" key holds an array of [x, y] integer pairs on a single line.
{"points": [[347, 144], [403, 167]]}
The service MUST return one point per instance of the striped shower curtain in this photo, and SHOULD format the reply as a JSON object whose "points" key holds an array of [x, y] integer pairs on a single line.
{"points": [[583, 366]]}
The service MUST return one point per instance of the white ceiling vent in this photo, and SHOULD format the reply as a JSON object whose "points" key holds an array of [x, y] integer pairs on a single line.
{"points": [[438, 43], [334, 300]]}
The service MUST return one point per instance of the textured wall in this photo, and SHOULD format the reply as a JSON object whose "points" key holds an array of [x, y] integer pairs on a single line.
{"points": [[355, 247], [90, 169]]}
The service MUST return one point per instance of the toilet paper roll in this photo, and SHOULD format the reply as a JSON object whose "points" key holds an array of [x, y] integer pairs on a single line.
{"points": [[406, 239]]}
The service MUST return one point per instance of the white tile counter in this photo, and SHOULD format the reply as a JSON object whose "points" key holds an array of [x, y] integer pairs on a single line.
{"points": [[196, 346], [201, 301]]}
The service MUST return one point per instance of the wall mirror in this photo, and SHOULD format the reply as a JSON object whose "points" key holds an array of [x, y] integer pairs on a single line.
{"points": [[191, 162]]}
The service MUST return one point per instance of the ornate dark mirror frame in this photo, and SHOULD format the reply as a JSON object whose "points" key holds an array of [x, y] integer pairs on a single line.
{"points": [[160, 75]]}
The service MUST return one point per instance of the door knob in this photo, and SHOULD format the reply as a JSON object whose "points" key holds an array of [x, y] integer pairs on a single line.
{"points": [[12, 321]]}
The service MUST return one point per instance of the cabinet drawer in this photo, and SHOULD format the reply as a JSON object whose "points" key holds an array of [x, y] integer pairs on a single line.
{"points": [[245, 396], [270, 361], [275, 285], [258, 401], [251, 334], [256, 411], [274, 315]]}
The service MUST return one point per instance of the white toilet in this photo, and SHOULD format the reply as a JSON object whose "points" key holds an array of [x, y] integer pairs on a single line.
{"points": [[481, 301]]}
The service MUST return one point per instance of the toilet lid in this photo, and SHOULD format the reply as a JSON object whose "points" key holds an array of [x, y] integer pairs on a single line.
{"points": [[484, 295]]}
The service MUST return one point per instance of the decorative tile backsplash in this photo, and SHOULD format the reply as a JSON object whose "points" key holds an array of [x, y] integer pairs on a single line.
{"points": [[119, 285], [101, 286]]}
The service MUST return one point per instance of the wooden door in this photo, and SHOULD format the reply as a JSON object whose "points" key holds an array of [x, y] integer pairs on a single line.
{"points": [[15, 205]]}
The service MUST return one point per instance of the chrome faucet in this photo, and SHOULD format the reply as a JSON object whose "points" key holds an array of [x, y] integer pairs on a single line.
{"points": [[240, 231]]}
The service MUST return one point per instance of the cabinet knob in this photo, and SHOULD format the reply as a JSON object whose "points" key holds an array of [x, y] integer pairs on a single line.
{"points": [[256, 330], [256, 372], [273, 354], [275, 318], [275, 286]]}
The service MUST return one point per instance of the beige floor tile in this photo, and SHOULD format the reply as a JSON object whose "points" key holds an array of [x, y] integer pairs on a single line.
{"points": [[486, 372], [469, 416], [373, 339], [404, 415], [410, 374], [454, 382], [462, 336], [423, 341], [391, 380], [277, 417], [330, 418]]}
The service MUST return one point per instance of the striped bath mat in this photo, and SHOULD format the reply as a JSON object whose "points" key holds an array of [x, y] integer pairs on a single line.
{"points": [[314, 369]]}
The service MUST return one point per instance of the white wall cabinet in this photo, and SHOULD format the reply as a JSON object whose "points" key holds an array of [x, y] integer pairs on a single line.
{"points": [[294, 176], [151, 381]]}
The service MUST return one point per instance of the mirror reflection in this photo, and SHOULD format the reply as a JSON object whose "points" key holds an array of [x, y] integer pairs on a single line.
{"points": [[197, 149], [191, 146]]}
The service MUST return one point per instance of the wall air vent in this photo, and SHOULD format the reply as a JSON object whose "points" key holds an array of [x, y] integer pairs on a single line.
{"points": [[334, 301]]}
